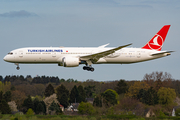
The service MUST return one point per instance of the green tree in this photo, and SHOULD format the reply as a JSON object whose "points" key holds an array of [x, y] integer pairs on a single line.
{"points": [[5, 86], [141, 96], [177, 112], [86, 108], [70, 80], [1, 96], [35, 104], [122, 87], [110, 97], [152, 97], [49, 90], [4, 107], [148, 97], [55, 107], [1, 86], [13, 88], [89, 90], [44, 106], [64, 100], [7, 96], [1, 78], [62, 95], [28, 103], [62, 80], [97, 101], [74, 95], [39, 108], [166, 95], [82, 93]]}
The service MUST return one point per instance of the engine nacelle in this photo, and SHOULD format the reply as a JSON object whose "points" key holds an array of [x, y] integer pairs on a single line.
{"points": [[70, 62]]}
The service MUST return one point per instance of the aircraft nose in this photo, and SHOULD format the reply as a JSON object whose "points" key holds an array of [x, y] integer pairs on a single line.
{"points": [[5, 58], [8, 58]]}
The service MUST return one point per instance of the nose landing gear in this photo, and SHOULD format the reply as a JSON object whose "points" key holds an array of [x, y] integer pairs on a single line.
{"points": [[17, 66]]}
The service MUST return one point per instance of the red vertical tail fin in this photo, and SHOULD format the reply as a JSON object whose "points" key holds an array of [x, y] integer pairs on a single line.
{"points": [[157, 41]]}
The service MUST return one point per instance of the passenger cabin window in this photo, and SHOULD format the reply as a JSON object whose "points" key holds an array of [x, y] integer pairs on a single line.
{"points": [[10, 53]]}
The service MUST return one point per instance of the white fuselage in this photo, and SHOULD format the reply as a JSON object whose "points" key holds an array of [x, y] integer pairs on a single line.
{"points": [[56, 55]]}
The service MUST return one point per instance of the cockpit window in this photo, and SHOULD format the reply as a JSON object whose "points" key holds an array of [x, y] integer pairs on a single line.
{"points": [[10, 53]]}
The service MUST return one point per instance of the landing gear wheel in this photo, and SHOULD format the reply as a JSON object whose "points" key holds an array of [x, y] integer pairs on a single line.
{"points": [[88, 68], [17, 68], [85, 68], [92, 69]]}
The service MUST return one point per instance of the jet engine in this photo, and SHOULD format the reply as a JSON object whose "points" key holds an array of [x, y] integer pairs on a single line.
{"points": [[70, 62]]}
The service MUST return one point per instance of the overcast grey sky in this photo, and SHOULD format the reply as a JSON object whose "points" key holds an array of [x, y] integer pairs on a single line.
{"points": [[89, 23]]}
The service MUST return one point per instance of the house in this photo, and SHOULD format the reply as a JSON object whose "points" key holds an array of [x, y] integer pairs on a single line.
{"points": [[61, 107], [70, 108], [174, 110], [149, 113], [73, 107]]}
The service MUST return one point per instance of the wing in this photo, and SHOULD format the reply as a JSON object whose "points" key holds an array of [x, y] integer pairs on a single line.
{"points": [[95, 57]]}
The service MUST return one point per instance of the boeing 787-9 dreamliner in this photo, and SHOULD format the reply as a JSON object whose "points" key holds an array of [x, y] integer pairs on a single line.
{"points": [[74, 56]]}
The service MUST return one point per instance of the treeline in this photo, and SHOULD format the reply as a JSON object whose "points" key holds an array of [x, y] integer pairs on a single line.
{"points": [[157, 91], [42, 81], [36, 86], [15, 80]]}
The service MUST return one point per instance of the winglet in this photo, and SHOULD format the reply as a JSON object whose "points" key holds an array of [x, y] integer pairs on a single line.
{"points": [[157, 41]]}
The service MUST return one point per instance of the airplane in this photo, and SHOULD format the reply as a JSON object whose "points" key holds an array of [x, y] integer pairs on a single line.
{"points": [[74, 56]]}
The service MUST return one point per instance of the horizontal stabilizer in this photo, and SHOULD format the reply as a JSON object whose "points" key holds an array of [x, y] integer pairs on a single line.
{"points": [[161, 52]]}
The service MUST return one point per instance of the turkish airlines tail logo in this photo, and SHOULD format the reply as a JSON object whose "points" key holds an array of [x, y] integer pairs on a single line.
{"points": [[157, 41]]}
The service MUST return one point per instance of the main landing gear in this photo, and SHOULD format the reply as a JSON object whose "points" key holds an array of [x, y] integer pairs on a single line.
{"points": [[17, 66], [88, 68]]}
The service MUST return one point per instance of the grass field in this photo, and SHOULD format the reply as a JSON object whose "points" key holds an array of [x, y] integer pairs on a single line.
{"points": [[67, 117]]}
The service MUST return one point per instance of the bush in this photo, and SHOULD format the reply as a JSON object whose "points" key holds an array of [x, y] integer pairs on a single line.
{"points": [[86, 108], [177, 112], [161, 114], [30, 112]]}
